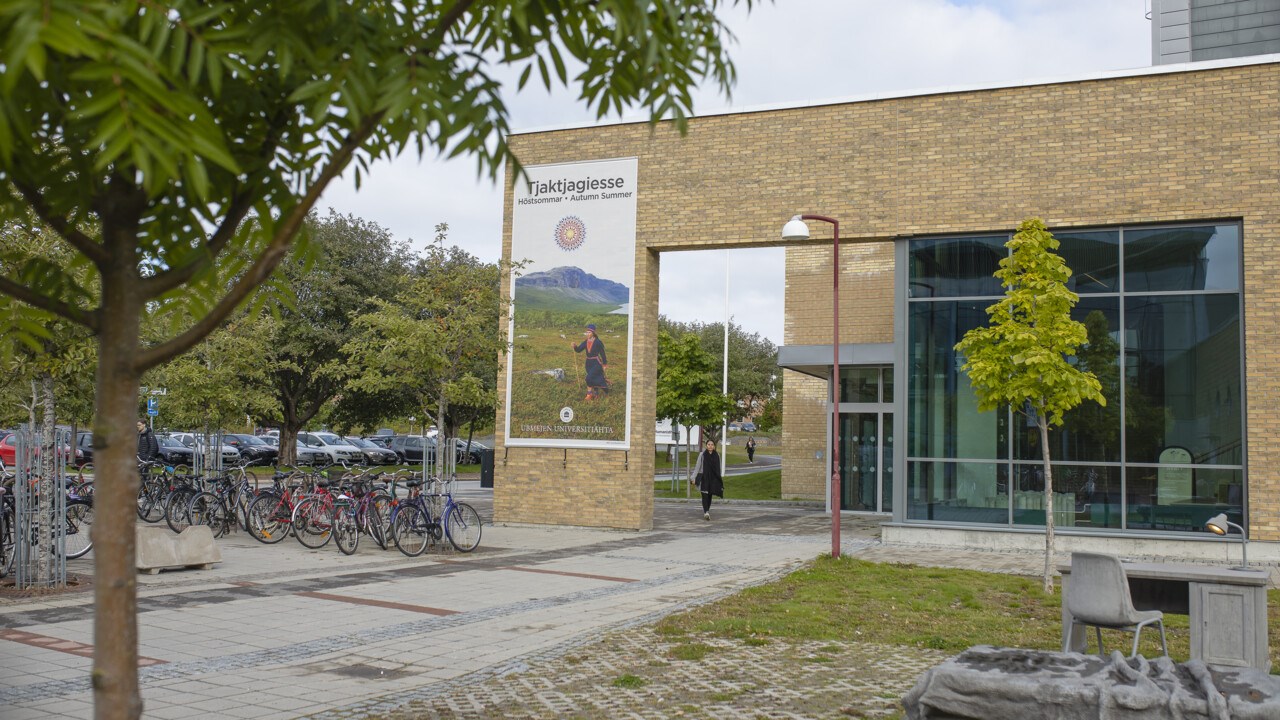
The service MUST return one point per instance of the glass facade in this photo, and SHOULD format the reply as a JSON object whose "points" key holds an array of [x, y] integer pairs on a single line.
{"points": [[1162, 311], [866, 439]]}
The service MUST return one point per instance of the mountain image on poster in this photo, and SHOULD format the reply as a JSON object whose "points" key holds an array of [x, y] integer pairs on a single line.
{"points": [[570, 289]]}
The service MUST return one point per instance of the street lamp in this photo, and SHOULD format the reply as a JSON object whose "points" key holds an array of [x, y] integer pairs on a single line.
{"points": [[796, 229]]}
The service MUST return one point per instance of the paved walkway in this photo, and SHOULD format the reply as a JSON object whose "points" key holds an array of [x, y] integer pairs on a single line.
{"points": [[539, 622]]}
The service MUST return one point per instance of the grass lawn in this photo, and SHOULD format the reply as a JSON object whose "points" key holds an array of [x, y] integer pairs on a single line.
{"points": [[899, 604], [763, 485]]}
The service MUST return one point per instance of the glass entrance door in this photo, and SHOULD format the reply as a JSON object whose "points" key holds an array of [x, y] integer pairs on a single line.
{"points": [[866, 461]]}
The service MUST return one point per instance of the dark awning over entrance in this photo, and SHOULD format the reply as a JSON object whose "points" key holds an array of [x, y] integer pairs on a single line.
{"points": [[815, 360]]}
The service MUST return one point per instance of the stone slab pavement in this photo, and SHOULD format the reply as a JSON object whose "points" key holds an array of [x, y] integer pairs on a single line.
{"points": [[282, 631], [538, 622]]}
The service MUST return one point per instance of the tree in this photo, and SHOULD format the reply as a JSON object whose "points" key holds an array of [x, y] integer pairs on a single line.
{"points": [[1020, 359], [166, 126], [222, 380], [350, 262], [770, 416], [49, 360], [753, 360], [689, 387], [438, 341]]}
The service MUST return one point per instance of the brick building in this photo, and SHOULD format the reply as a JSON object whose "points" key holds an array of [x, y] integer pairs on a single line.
{"points": [[1163, 185]]}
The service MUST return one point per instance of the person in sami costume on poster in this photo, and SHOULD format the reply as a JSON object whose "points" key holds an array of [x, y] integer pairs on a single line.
{"points": [[596, 361]]}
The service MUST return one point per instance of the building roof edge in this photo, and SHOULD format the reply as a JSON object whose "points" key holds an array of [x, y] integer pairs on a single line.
{"points": [[1200, 66]]}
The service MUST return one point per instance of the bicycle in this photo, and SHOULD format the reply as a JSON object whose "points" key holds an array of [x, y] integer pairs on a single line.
{"points": [[425, 518], [156, 481], [77, 519], [313, 515], [220, 509], [269, 517]]}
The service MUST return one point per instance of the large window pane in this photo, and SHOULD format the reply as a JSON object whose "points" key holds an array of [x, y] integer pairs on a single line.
{"points": [[1182, 379], [943, 420], [1090, 432], [859, 385], [1185, 258], [1094, 259], [1182, 498], [956, 267], [958, 492], [1083, 495]]}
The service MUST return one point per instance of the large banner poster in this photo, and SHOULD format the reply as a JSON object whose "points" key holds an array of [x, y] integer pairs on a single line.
{"points": [[568, 379]]}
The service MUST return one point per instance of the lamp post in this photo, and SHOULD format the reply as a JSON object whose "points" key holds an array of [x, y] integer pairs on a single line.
{"points": [[796, 229], [1219, 525]]}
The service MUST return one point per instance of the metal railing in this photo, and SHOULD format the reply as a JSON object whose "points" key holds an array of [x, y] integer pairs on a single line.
{"points": [[40, 514]]}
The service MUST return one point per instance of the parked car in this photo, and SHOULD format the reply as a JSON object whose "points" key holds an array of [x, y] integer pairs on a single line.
{"points": [[409, 448], [9, 450], [252, 448], [373, 453], [307, 455], [748, 427], [303, 455], [336, 448], [471, 455], [173, 452], [196, 442], [84, 448], [382, 441]]}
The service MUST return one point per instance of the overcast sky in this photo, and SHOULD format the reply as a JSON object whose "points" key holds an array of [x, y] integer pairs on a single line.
{"points": [[793, 52]]}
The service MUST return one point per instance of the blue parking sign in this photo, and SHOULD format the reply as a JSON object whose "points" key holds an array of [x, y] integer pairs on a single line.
{"points": [[153, 406]]}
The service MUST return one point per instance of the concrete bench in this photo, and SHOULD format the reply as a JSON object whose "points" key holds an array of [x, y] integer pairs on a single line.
{"points": [[159, 549]]}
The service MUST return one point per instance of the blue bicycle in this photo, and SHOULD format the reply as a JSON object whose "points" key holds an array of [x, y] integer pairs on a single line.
{"points": [[425, 517]]}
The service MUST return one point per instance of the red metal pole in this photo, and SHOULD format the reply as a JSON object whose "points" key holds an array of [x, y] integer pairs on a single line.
{"points": [[835, 383]]}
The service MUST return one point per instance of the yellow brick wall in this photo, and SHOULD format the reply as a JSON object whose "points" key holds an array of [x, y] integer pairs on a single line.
{"points": [[1152, 148], [866, 316]]}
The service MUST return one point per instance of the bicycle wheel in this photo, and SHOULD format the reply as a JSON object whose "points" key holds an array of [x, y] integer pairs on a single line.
{"points": [[346, 533], [462, 526], [151, 494], [269, 519], [313, 522], [409, 530], [206, 509], [379, 520], [175, 508], [6, 541], [79, 526], [241, 501]]}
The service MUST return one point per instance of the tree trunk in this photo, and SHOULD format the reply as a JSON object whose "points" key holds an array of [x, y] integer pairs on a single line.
{"points": [[288, 444], [115, 628], [1048, 503], [48, 473]]}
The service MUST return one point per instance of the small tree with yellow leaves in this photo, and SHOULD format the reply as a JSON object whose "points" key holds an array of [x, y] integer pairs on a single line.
{"points": [[1021, 359]]}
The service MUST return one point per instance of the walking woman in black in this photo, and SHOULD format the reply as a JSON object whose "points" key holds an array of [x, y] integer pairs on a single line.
{"points": [[706, 475]]}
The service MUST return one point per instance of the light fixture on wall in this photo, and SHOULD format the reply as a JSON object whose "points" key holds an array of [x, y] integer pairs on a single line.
{"points": [[797, 229], [1219, 525]]}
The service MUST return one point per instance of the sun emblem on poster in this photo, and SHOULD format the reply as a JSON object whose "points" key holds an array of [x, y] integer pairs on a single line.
{"points": [[571, 232]]}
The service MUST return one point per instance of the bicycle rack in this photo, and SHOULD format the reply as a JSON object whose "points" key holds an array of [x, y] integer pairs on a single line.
{"points": [[37, 498]]}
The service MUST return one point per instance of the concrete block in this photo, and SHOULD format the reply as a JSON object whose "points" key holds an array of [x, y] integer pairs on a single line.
{"points": [[159, 549]]}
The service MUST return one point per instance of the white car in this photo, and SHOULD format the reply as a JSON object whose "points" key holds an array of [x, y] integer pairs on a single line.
{"points": [[335, 447], [196, 443]]}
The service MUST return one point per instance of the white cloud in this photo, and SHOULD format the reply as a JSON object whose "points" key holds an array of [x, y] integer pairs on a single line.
{"points": [[793, 51]]}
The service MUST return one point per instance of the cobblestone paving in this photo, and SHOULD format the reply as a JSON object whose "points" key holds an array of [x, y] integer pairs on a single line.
{"points": [[639, 674]]}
